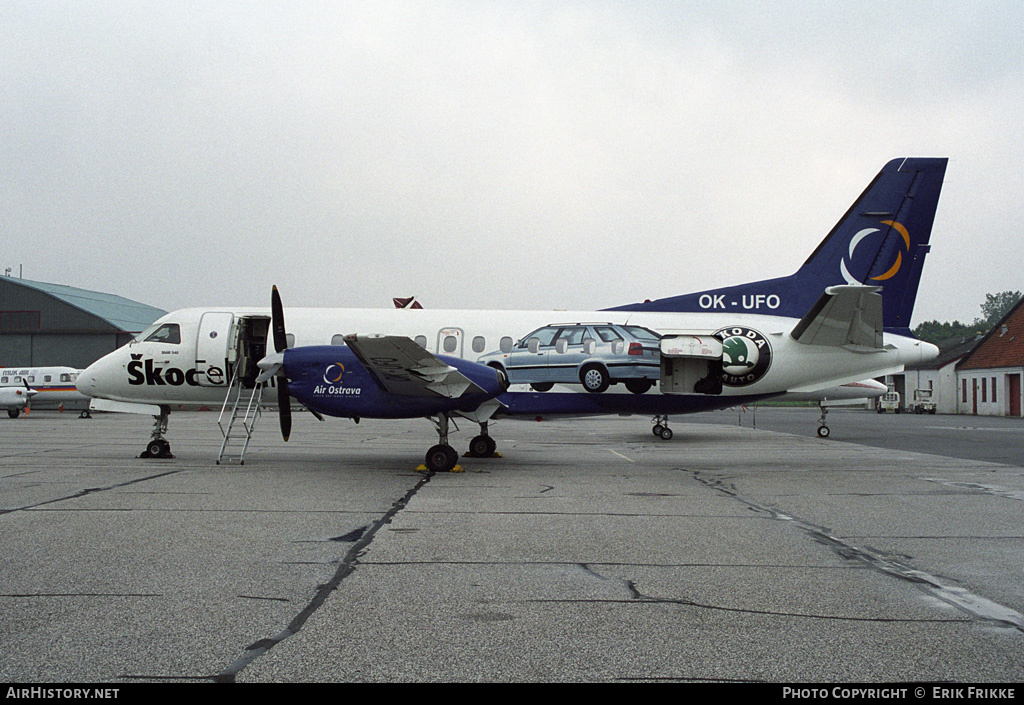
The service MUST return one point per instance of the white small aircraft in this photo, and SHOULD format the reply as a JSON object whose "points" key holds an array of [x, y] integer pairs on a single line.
{"points": [[44, 386], [16, 399], [842, 318]]}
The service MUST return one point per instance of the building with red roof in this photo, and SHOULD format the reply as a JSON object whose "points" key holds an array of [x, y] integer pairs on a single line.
{"points": [[989, 376]]}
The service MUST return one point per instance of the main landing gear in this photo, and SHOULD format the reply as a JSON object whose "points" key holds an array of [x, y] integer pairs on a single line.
{"points": [[661, 429], [158, 446], [444, 458], [482, 446]]}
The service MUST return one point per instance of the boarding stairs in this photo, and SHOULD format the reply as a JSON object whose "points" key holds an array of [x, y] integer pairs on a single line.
{"points": [[240, 424]]}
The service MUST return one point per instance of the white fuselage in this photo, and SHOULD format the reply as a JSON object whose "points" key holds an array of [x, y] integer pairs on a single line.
{"points": [[165, 372]]}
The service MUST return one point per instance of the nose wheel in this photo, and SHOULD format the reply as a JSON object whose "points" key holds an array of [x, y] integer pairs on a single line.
{"points": [[157, 448]]}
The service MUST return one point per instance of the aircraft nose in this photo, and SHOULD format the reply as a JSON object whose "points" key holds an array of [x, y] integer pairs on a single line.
{"points": [[91, 380], [86, 379]]}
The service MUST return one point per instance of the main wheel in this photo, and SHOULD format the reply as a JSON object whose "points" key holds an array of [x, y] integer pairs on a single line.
{"points": [[14, 413], [542, 386], [595, 379], [482, 447], [666, 434], [441, 458]]}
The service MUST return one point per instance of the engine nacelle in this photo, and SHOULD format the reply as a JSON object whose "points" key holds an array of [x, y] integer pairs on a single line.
{"points": [[332, 380]]}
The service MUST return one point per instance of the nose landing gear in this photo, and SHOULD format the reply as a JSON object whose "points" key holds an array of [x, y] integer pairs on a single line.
{"points": [[158, 446]]}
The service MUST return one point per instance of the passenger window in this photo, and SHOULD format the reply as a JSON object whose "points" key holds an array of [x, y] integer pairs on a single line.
{"points": [[168, 333], [479, 344], [450, 343], [3, 380], [421, 340], [30, 378], [65, 377], [506, 344], [47, 378]]}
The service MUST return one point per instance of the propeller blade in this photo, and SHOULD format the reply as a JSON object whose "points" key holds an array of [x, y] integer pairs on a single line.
{"points": [[284, 408], [277, 321]]}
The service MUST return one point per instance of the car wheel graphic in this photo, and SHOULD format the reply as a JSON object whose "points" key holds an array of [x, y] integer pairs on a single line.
{"points": [[595, 378]]}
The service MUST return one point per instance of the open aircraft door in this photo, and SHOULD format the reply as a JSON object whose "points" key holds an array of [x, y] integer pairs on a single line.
{"points": [[214, 349]]}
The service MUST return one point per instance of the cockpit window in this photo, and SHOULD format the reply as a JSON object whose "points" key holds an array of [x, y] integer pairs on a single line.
{"points": [[168, 333]]}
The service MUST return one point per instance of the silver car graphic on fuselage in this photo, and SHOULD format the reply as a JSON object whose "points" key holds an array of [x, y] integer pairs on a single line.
{"points": [[595, 355]]}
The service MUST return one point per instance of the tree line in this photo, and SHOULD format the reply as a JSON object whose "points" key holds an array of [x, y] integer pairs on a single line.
{"points": [[992, 310]]}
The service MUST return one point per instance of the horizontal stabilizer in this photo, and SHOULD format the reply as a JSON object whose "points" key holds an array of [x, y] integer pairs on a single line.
{"points": [[844, 316], [839, 381], [402, 367]]}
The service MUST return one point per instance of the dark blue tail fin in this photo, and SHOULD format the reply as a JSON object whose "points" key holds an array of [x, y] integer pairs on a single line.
{"points": [[882, 240]]}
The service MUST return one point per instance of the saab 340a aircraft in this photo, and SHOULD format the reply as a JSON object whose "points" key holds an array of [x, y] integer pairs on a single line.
{"points": [[842, 317]]}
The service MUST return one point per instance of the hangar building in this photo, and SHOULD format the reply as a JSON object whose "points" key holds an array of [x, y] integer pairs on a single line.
{"points": [[45, 324]]}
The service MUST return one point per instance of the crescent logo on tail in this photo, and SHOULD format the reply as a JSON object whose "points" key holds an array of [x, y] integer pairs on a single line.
{"points": [[855, 240]]}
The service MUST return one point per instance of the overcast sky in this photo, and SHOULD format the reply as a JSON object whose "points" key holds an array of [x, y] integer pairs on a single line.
{"points": [[570, 155]]}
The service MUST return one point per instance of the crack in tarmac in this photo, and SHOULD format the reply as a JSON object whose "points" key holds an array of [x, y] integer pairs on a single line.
{"points": [[88, 491], [975, 606], [347, 566]]}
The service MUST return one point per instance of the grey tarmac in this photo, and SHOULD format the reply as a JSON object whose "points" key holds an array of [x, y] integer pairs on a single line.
{"points": [[591, 551]]}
